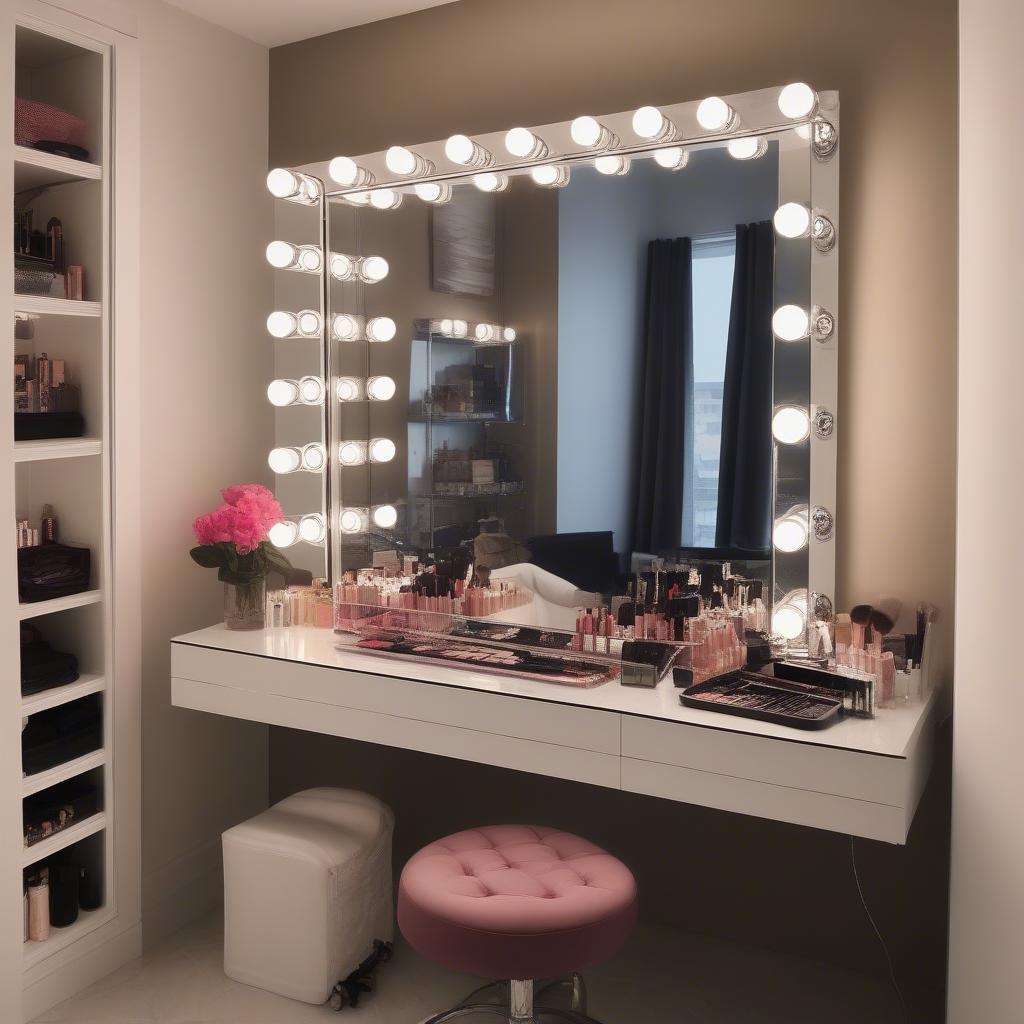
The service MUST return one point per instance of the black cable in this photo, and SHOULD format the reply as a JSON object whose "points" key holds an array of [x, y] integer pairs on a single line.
{"points": [[881, 941]]}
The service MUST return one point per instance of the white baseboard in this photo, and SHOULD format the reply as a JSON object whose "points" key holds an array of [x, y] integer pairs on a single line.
{"points": [[181, 891], [78, 972]]}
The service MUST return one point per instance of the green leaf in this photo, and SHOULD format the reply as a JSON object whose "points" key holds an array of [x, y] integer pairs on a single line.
{"points": [[209, 556]]}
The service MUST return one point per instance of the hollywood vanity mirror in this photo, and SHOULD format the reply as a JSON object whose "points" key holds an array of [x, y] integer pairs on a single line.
{"points": [[564, 366]]}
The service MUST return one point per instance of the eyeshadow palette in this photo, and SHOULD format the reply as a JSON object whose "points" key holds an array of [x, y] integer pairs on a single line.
{"points": [[749, 697]]}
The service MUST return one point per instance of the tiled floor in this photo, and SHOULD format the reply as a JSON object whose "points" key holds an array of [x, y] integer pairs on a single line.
{"points": [[662, 977]]}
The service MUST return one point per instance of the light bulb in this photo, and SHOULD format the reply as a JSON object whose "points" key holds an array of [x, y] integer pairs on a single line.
{"points": [[486, 332], [792, 220], [788, 621], [343, 268], [345, 327], [491, 182], [385, 517], [352, 453], [509, 334], [356, 198], [293, 185], [349, 389], [312, 529], [444, 327], [283, 534], [311, 390], [672, 158], [373, 269], [588, 133], [715, 115], [311, 260], [612, 165], [380, 328], [347, 173], [434, 192], [405, 162], [385, 199], [790, 532], [382, 449], [750, 147], [282, 324], [314, 458], [460, 329], [798, 100], [380, 389], [352, 520], [308, 323], [522, 143], [284, 460], [550, 175], [462, 150], [791, 425], [282, 392], [790, 323], [823, 233], [282, 255], [650, 123]]}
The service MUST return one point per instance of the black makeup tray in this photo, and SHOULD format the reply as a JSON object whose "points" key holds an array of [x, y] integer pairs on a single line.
{"points": [[751, 696]]}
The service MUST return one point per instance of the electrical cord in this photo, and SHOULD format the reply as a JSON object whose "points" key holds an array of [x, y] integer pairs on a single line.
{"points": [[881, 941]]}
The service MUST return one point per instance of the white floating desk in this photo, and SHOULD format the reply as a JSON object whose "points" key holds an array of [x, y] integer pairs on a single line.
{"points": [[861, 777]]}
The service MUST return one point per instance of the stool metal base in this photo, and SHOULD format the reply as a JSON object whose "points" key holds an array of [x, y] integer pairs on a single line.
{"points": [[519, 1003]]}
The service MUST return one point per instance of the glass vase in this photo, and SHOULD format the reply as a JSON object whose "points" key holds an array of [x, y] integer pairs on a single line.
{"points": [[245, 605]]}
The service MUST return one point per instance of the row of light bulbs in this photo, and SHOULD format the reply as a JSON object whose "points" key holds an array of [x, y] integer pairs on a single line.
{"points": [[312, 458], [308, 323], [309, 259], [313, 529], [312, 390], [455, 328]]}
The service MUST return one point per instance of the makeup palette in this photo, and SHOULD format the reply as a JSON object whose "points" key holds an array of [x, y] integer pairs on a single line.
{"points": [[750, 696]]}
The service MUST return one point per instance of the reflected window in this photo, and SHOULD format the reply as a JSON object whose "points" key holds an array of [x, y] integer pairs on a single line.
{"points": [[713, 261]]}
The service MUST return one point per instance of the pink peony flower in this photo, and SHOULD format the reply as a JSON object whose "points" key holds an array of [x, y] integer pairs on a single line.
{"points": [[243, 520]]}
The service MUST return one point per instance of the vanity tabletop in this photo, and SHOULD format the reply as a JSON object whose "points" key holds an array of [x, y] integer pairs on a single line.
{"points": [[892, 733]]}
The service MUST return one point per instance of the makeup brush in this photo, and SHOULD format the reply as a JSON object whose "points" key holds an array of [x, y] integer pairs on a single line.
{"points": [[883, 618], [860, 616]]}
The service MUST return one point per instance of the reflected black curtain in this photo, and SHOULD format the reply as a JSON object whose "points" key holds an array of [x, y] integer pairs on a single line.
{"points": [[666, 403], [745, 463]]}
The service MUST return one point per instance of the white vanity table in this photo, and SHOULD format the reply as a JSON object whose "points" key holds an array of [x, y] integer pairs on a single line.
{"points": [[860, 777]]}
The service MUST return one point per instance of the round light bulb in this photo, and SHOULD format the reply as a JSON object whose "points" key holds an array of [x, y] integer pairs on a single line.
{"points": [[433, 191], [400, 160], [445, 327], [750, 147], [382, 449], [792, 220], [346, 172], [350, 521], [788, 622], [790, 533], [509, 334], [310, 259], [381, 328], [282, 255], [281, 324], [672, 158], [491, 182], [308, 322], [586, 131], [380, 389], [349, 389], [650, 123], [385, 517], [791, 425], [462, 150], [284, 460], [612, 165], [345, 327], [460, 329], [385, 199], [311, 390], [343, 268], [283, 534], [522, 143], [352, 453], [282, 392], [798, 100], [311, 528], [715, 115], [790, 323], [314, 458], [282, 183], [373, 269], [550, 176], [485, 332]]}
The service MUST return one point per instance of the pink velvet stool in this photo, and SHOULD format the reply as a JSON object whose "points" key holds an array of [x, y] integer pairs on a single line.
{"points": [[518, 903]]}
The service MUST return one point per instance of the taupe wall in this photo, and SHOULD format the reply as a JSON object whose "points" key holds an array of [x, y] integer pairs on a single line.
{"points": [[483, 65]]}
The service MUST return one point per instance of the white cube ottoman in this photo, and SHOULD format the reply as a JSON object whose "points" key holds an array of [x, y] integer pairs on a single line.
{"points": [[307, 890]]}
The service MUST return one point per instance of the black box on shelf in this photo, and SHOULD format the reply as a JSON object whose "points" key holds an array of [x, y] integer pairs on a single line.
{"points": [[52, 570]]}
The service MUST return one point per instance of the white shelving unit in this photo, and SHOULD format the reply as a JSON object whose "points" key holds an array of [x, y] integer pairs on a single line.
{"points": [[79, 65]]}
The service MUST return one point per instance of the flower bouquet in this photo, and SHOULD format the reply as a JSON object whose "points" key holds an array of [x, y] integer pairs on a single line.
{"points": [[233, 540]]}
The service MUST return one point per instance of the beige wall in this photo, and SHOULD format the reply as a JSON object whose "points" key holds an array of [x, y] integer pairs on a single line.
{"points": [[205, 363], [483, 65]]}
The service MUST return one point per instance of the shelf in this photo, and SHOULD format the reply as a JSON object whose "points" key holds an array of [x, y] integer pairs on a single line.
{"points": [[59, 604], [62, 772], [56, 448], [83, 686], [88, 921], [35, 169], [67, 837], [46, 305]]}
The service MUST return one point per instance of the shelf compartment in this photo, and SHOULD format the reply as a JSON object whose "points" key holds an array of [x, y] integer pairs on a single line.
{"points": [[62, 772], [46, 699], [59, 604], [56, 448], [47, 305], [88, 921], [67, 837], [35, 169]]}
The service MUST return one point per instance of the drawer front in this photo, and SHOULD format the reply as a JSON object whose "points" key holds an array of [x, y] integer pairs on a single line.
{"points": [[497, 714]]}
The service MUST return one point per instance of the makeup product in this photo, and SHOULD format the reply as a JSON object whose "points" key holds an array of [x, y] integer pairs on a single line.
{"points": [[857, 688], [48, 525], [860, 616], [39, 907], [755, 697]]}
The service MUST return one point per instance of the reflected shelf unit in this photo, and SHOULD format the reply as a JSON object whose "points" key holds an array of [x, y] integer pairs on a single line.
{"points": [[67, 59]]}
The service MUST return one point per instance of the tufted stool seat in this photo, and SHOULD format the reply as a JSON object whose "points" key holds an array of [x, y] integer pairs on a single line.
{"points": [[516, 902]]}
